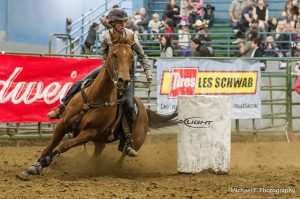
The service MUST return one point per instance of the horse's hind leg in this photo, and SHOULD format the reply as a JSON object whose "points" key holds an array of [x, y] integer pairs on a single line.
{"points": [[99, 146], [82, 138], [119, 163]]}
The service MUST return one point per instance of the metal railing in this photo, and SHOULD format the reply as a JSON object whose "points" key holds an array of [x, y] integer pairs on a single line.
{"points": [[80, 27], [285, 117], [221, 43], [65, 36]]}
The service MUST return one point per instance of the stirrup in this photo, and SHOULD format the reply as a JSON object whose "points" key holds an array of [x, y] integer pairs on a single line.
{"points": [[57, 112], [54, 114]]}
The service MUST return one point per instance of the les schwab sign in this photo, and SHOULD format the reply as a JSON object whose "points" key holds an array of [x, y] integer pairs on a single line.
{"points": [[190, 81]]}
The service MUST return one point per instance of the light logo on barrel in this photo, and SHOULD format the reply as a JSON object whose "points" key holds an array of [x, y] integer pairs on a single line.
{"points": [[196, 122], [190, 81]]}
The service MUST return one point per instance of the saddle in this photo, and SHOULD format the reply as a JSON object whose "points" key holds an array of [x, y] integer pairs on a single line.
{"points": [[120, 126]]}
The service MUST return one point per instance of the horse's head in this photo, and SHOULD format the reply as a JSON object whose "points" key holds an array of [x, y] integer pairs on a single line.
{"points": [[120, 59]]}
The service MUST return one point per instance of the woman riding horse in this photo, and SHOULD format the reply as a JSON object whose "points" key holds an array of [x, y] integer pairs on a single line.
{"points": [[117, 18], [96, 113]]}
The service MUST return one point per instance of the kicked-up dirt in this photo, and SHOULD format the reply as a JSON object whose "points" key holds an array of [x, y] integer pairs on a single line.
{"points": [[269, 168]]}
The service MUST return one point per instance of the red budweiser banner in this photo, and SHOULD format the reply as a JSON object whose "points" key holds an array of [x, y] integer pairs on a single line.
{"points": [[30, 86]]}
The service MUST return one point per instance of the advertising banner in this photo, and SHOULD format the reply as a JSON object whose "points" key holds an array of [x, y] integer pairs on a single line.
{"points": [[30, 86], [189, 77]]}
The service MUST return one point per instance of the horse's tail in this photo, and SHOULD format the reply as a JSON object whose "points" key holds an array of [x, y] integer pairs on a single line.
{"points": [[157, 121]]}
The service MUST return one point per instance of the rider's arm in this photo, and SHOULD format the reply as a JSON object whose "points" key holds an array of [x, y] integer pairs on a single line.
{"points": [[141, 57]]}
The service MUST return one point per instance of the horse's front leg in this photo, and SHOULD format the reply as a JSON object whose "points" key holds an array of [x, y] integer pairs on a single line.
{"points": [[36, 169], [47, 154], [58, 135]]}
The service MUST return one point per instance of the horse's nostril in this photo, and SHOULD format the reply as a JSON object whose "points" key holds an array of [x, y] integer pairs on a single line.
{"points": [[120, 80]]}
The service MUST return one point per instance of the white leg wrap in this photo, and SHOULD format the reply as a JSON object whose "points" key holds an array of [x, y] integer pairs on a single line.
{"points": [[35, 169]]}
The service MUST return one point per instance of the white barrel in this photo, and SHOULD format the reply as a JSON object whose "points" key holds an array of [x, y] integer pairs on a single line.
{"points": [[204, 134]]}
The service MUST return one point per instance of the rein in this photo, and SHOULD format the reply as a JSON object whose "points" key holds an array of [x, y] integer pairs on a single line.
{"points": [[113, 77], [113, 74], [87, 105]]}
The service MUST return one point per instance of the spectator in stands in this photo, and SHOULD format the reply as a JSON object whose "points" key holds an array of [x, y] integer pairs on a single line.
{"points": [[184, 39], [247, 16], [87, 47], [154, 26], [294, 18], [196, 10], [258, 51], [253, 26], [270, 48], [200, 49], [235, 12], [297, 70], [203, 34], [185, 7], [295, 7], [68, 25], [285, 39], [279, 28], [261, 12], [172, 11], [288, 11], [209, 15], [166, 48], [296, 50], [297, 30], [143, 23], [201, 30], [130, 25], [137, 17], [272, 24], [245, 47], [169, 28]]}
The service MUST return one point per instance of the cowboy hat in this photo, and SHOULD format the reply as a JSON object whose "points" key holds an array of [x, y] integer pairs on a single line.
{"points": [[182, 23], [199, 23], [208, 6]]}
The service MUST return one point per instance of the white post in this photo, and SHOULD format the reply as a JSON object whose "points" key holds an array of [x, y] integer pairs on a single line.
{"points": [[204, 134]]}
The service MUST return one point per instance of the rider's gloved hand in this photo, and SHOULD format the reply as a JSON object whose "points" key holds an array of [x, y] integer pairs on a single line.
{"points": [[149, 78]]}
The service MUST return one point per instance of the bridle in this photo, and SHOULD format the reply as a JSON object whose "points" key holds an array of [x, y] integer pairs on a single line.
{"points": [[112, 71]]}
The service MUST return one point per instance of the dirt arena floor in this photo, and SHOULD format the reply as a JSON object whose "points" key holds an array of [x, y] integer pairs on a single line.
{"points": [[262, 168]]}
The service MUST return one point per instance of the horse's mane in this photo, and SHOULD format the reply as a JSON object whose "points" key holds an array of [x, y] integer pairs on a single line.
{"points": [[118, 38]]}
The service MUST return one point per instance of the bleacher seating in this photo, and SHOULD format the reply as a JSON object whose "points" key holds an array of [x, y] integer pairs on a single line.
{"points": [[221, 11], [221, 43]]}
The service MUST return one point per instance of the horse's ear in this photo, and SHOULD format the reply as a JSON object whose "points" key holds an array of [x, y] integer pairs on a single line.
{"points": [[105, 23], [115, 37]]}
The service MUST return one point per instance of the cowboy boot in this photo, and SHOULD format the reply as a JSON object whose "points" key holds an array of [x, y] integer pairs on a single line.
{"points": [[57, 112], [128, 149]]}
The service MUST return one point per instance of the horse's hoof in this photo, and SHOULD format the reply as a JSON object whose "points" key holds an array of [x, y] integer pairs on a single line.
{"points": [[25, 176], [35, 169], [131, 152]]}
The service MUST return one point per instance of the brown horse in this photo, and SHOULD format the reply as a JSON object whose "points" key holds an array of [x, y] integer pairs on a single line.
{"points": [[94, 113]]}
